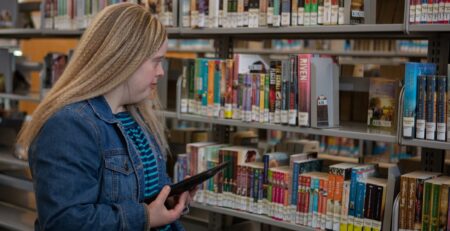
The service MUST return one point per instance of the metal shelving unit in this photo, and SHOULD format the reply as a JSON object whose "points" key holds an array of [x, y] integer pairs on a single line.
{"points": [[7, 158], [352, 130], [429, 28], [426, 143], [16, 183], [32, 98], [366, 30], [250, 216], [16, 218], [330, 52]]}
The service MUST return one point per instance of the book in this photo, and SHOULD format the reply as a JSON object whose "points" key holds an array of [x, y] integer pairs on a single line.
{"points": [[304, 96], [430, 114], [411, 191], [421, 106], [324, 92], [441, 107], [382, 103]]}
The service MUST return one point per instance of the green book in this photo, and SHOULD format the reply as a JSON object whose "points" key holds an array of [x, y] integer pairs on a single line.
{"points": [[426, 205]]}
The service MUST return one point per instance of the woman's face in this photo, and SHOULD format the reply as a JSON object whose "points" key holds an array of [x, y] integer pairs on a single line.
{"points": [[143, 83]]}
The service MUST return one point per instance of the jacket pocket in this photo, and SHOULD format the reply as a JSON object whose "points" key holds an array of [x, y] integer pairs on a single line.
{"points": [[120, 179]]}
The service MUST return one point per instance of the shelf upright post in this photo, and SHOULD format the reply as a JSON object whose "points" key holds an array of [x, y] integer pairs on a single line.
{"points": [[7, 68], [438, 52], [215, 221], [432, 159]]}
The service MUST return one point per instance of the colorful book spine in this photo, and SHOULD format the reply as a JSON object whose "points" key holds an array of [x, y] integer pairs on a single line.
{"points": [[229, 89], [285, 12], [315, 202], [424, 14], [412, 11], [285, 94], [278, 94], [421, 106], [430, 125], [369, 206], [307, 13], [204, 90], [403, 203], [411, 203], [427, 196], [419, 204], [276, 13], [304, 96], [314, 12], [448, 213], [447, 11], [359, 210], [434, 209], [448, 106], [294, 12], [334, 12], [255, 97], [262, 97], [217, 87], [267, 98], [293, 90], [210, 88], [443, 207], [418, 14], [320, 11], [410, 100], [345, 206], [441, 103], [323, 202], [301, 12], [272, 91]]}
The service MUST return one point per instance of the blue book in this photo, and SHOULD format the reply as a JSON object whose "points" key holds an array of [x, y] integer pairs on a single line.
{"points": [[359, 173], [359, 210], [430, 115], [441, 109], [412, 71], [204, 89], [420, 109]]}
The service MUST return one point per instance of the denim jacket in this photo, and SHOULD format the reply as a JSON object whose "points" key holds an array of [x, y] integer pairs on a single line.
{"points": [[87, 173]]}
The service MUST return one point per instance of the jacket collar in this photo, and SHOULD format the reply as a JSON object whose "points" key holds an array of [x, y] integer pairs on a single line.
{"points": [[101, 109]]}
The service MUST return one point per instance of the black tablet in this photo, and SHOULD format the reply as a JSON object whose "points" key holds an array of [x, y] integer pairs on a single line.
{"points": [[191, 182]]}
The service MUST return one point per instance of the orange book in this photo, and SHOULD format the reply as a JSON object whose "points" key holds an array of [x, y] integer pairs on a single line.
{"points": [[210, 96]]}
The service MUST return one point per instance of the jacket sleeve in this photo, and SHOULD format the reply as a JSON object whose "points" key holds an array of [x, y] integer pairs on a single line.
{"points": [[66, 162]]}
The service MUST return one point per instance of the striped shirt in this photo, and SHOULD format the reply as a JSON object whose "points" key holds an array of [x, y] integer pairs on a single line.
{"points": [[141, 143]]}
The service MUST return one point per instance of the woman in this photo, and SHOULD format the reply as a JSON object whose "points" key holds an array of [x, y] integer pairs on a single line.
{"points": [[96, 147]]}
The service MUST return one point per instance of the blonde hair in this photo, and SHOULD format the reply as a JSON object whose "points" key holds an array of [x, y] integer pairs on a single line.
{"points": [[112, 48]]}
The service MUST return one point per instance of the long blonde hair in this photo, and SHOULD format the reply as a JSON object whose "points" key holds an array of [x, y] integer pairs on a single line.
{"points": [[118, 41]]}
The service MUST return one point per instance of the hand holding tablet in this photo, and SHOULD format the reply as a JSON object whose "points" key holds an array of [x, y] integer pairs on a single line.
{"points": [[191, 182]]}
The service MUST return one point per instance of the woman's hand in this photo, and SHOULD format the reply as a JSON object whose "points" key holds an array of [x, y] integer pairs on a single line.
{"points": [[158, 213]]}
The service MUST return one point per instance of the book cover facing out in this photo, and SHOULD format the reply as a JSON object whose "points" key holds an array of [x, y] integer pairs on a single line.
{"points": [[382, 103]]}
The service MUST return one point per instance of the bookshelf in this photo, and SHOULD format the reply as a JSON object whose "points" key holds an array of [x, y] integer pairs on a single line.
{"points": [[32, 98], [250, 216], [352, 130], [16, 218], [355, 131]]}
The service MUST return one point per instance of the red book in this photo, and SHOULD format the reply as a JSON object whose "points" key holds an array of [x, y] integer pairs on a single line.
{"points": [[304, 89]]}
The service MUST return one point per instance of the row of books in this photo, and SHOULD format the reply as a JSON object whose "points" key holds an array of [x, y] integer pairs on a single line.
{"points": [[429, 11], [72, 14], [301, 90], [424, 201], [339, 146], [288, 187], [275, 13], [77, 14], [425, 114], [409, 46]]}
